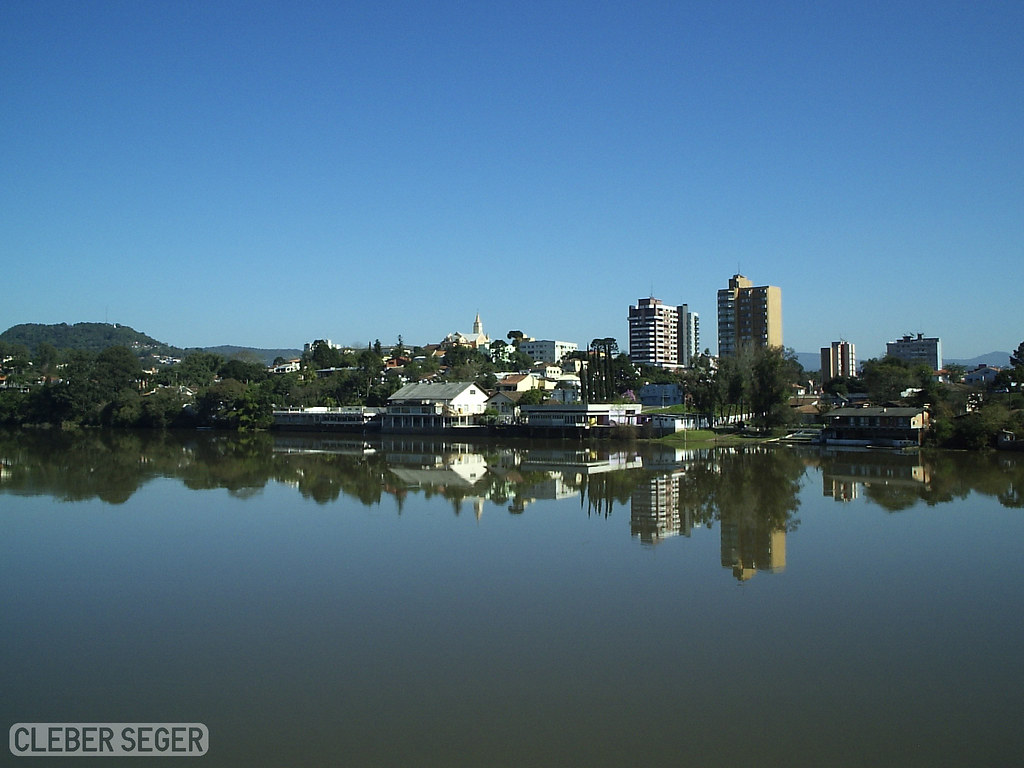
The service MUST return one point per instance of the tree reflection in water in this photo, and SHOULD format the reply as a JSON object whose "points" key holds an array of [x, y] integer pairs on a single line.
{"points": [[753, 491]]}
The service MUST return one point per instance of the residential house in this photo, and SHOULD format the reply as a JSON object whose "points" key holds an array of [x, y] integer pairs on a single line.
{"points": [[506, 404], [430, 407], [516, 382], [289, 366], [983, 375]]}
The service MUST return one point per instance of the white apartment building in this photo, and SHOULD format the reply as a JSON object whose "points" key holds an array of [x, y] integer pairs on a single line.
{"points": [[544, 351], [917, 349], [663, 335]]}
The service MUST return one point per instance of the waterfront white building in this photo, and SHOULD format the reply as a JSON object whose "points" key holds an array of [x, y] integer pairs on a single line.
{"points": [[428, 406]]}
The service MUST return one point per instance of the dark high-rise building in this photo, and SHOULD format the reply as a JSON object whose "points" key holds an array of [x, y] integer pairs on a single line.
{"points": [[748, 315]]}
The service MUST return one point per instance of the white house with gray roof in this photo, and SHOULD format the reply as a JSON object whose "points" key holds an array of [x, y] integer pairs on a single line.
{"points": [[426, 406]]}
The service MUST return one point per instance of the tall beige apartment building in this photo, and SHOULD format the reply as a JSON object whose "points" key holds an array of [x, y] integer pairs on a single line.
{"points": [[748, 315]]}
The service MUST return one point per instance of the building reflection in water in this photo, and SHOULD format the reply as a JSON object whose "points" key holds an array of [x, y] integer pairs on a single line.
{"points": [[750, 543], [844, 474], [657, 512]]}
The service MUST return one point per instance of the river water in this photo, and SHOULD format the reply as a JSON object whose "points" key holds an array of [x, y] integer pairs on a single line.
{"points": [[416, 603]]}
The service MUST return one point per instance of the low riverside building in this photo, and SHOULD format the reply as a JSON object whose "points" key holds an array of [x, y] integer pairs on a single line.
{"points": [[323, 418], [428, 407], [669, 423], [581, 416], [888, 426]]}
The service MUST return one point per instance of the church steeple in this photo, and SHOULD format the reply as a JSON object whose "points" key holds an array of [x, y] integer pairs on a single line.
{"points": [[478, 327]]}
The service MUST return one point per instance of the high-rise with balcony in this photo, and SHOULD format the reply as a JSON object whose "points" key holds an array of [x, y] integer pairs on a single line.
{"points": [[663, 335], [748, 315]]}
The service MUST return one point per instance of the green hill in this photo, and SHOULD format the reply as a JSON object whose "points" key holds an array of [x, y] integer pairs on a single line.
{"points": [[89, 337], [95, 337]]}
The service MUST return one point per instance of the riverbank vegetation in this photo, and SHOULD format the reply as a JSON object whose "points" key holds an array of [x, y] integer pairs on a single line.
{"points": [[46, 386]]}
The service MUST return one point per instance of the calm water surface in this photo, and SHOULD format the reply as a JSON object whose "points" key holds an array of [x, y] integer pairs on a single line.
{"points": [[330, 602]]}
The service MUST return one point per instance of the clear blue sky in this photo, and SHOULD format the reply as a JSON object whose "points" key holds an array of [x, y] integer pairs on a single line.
{"points": [[267, 173]]}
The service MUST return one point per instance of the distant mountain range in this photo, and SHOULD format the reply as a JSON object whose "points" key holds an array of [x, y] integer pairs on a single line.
{"points": [[95, 337], [996, 359]]}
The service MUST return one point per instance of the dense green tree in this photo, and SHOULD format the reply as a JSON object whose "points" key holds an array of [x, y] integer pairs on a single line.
{"points": [[383, 389], [12, 350], [1017, 363], [773, 372], [162, 409], [733, 381], [981, 428], [600, 379], [198, 369], [842, 385], [887, 378], [416, 370], [371, 368], [699, 385], [519, 360], [123, 410], [242, 370], [1017, 358], [254, 409], [46, 358], [219, 405], [466, 364], [322, 355], [533, 397], [13, 406], [655, 374], [75, 398], [117, 369], [625, 376]]}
